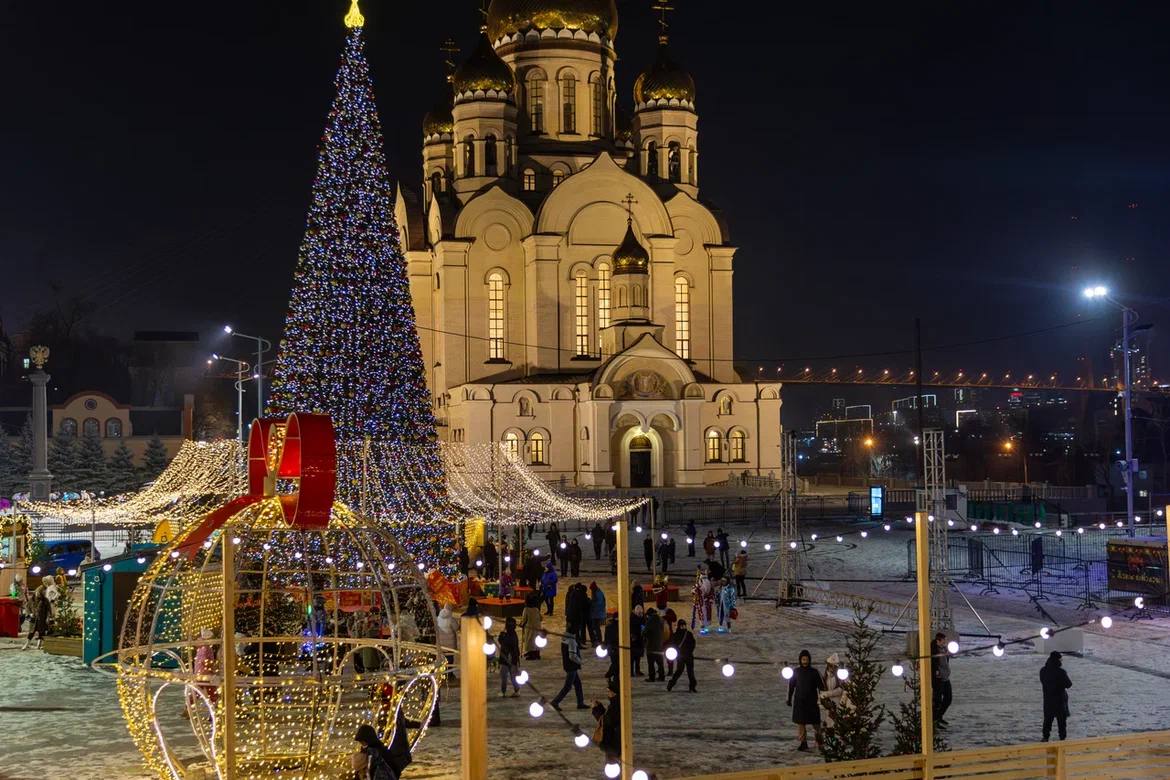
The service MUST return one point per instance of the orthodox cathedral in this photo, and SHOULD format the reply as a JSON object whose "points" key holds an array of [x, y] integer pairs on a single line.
{"points": [[573, 294]]}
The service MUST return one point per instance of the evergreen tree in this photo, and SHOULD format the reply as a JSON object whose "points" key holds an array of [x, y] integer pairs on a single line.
{"points": [[91, 465], [908, 720], [857, 716], [10, 476], [350, 348], [121, 477], [20, 460], [64, 463], [154, 459]]}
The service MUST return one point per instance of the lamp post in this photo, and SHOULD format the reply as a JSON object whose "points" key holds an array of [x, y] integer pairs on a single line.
{"points": [[1128, 318], [241, 375], [1009, 445], [262, 346]]}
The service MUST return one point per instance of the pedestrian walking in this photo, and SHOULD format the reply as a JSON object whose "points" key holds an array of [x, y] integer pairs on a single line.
{"points": [[531, 621], [571, 662], [637, 643], [648, 553], [578, 610], [612, 645], [548, 585], [723, 544], [691, 531], [663, 556], [637, 595], [596, 613], [652, 642], [739, 571], [670, 551], [1055, 683], [683, 641], [563, 556], [597, 535], [940, 673], [727, 609], [40, 609], [834, 689], [509, 658], [669, 618], [575, 557], [554, 538], [803, 690], [491, 560], [709, 545]]}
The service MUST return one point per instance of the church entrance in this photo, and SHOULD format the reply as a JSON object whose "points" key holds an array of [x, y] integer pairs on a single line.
{"points": [[640, 453]]}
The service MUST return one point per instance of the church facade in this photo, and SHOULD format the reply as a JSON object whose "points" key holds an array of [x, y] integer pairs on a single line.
{"points": [[573, 294]]}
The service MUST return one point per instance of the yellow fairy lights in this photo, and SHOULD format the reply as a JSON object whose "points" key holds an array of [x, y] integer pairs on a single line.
{"points": [[298, 606], [354, 18]]}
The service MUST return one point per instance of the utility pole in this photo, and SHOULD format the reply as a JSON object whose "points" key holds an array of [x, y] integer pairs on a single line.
{"points": [[40, 480]]}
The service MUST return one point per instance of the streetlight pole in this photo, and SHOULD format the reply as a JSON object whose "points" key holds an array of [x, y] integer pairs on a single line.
{"points": [[241, 375], [262, 346]]}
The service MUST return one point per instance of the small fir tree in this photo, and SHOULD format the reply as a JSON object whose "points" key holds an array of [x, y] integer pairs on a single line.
{"points": [[154, 459], [857, 716], [65, 620], [92, 475], [64, 463], [121, 476], [908, 720]]}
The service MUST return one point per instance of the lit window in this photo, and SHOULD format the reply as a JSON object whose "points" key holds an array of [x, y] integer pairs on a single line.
{"points": [[495, 317], [603, 295], [113, 428], [714, 447], [558, 177], [529, 180], [91, 427], [568, 103], [738, 446], [581, 313], [725, 404], [536, 448], [69, 428], [512, 443], [682, 317], [597, 101], [536, 101]]}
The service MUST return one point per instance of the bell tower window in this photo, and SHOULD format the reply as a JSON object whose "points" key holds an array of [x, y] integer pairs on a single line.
{"points": [[568, 103], [469, 156], [674, 162], [652, 160], [489, 155]]}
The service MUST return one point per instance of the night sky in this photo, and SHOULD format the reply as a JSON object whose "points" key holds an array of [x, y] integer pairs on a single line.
{"points": [[969, 163]]}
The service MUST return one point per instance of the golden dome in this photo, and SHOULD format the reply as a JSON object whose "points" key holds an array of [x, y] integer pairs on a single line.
{"points": [[592, 16], [630, 257], [664, 81], [483, 70], [439, 119]]}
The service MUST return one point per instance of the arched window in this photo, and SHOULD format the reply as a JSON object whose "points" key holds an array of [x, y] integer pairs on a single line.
{"points": [[529, 180], [682, 317], [674, 162], [692, 160], [535, 91], [737, 446], [558, 177], [568, 103], [91, 427], [621, 295], [652, 160], [495, 316], [597, 105], [724, 404], [436, 182], [603, 280], [581, 314], [489, 156], [524, 407], [536, 448], [714, 447], [68, 428], [113, 428], [512, 443], [636, 295], [469, 156]]}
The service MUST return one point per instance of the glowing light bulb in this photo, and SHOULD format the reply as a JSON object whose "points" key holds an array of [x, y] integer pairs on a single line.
{"points": [[536, 709], [1120, 524], [1140, 602], [507, 559], [107, 567], [997, 651], [1101, 526], [886, 527], [536, 553], [767, 547], [1080, 530], [813, 537], [478, 562], [72, 572], [898, 670], [690, 540], [174, 553], [421, 567], [950, 523], [840, 538], [1045, 632], [329, 560], [742, 543], [787, 672], [640, 774], [995, 531], [489, 648], [1037, 523], [487, 622], [235, 540], [1106, 622], [1015, 532], [792, 545], [638, 529], [207, 545], [522, 678], [141, 559], [541, 640], [716, 545], [581, 740], [864, 534], [842, 674], [613, 770], [727, 669], [588, 536], [390, 566], [601, 651], [909, 519], [663, 536], [267, 546], [671, 654], [952, 647], [974, 527], [564, 546]]}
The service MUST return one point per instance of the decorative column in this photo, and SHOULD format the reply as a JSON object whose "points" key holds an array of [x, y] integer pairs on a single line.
{"points": [[502, 152], [39, 478], [480, 147]]}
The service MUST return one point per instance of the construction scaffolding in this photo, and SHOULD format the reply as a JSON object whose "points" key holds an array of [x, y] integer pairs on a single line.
{"points": [[932, 501], [790, 546]]}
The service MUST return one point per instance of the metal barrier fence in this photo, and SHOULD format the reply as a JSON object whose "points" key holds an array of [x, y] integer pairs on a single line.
{"points": [[1043, 565], [751, 510], [110, 540]]}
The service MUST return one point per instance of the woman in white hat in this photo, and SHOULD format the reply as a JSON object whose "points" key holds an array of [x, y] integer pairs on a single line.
{"points": [[834, 689]]}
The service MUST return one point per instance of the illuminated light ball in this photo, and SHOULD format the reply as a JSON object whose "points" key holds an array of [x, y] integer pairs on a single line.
{"points": [[671, 653], [1140, 602], [390, 566], [478, 562], [507, 559], [909, 519], [487, 622], [72, 572], [107, 567], [640, 774], [297, 555], [864, 534], [1059, 532], [930, 518], [717, 545], [360, 565], [952, 647], [813, 537], [613, 770], [974, 527], [997, 651], [950, 523], [995, 531], [235, 540], [1101, 526], [421, 567], [536, 709], [638, 529], [541, 640], [1015, 532], [207, 545], [36, 569], [588, 536], [1120, 524], [489, 647], [792, 545], [787, 672], [767, 547], [898, 670], [727, 669], [690, 540], [663, 535], [613, 527], [1137, 518], [601, 651], [564, 546], [886, 527], [581, 740], [742, 543], [1045, 632], [536, 551], [842, 674], [1106, 622], [1158, 513], [174, 553], [1037, 523], [840, 538], [522, 678], [328, 560], [141, 559]]}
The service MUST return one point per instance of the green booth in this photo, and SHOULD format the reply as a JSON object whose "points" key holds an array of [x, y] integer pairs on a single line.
{"points": [[107, 586]]}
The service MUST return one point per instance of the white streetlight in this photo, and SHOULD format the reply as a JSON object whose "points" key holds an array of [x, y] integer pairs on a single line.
{"points": [[242, 370], [262, 346]]}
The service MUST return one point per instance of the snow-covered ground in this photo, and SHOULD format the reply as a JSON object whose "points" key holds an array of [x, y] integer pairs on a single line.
{"points": [[60, 715]]}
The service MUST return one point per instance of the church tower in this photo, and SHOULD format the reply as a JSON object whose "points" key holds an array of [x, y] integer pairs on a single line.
{"points": [[631, 292], [484, 120], [666, 124]]}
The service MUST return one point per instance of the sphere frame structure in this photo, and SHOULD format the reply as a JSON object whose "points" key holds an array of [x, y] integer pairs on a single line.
{"points": [[305, 608]]}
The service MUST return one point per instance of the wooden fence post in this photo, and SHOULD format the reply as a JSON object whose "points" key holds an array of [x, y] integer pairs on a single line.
{"points": [[472, 700]]}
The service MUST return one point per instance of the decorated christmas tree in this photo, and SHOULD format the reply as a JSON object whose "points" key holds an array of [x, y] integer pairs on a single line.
{"points": [[349, 347]]}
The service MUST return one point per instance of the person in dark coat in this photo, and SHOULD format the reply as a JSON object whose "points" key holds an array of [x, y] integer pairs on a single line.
{"points": [[598, 537], [596, 613], [464, 561], [940, 672], [669, 618], [611, 539], [577, 610], [1055, 683], [376, 761], [803, 691], [611, 643], [648, 552], [509, 658], [683, 641], [637, 646], [637, 595], [571, 661], [575, 557], [554, 538], [533, 569], [709, 545], [724, 548], [691, 531], [652, 642], [664, 557], [491, 560], [670, 552], [611, 726]]}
